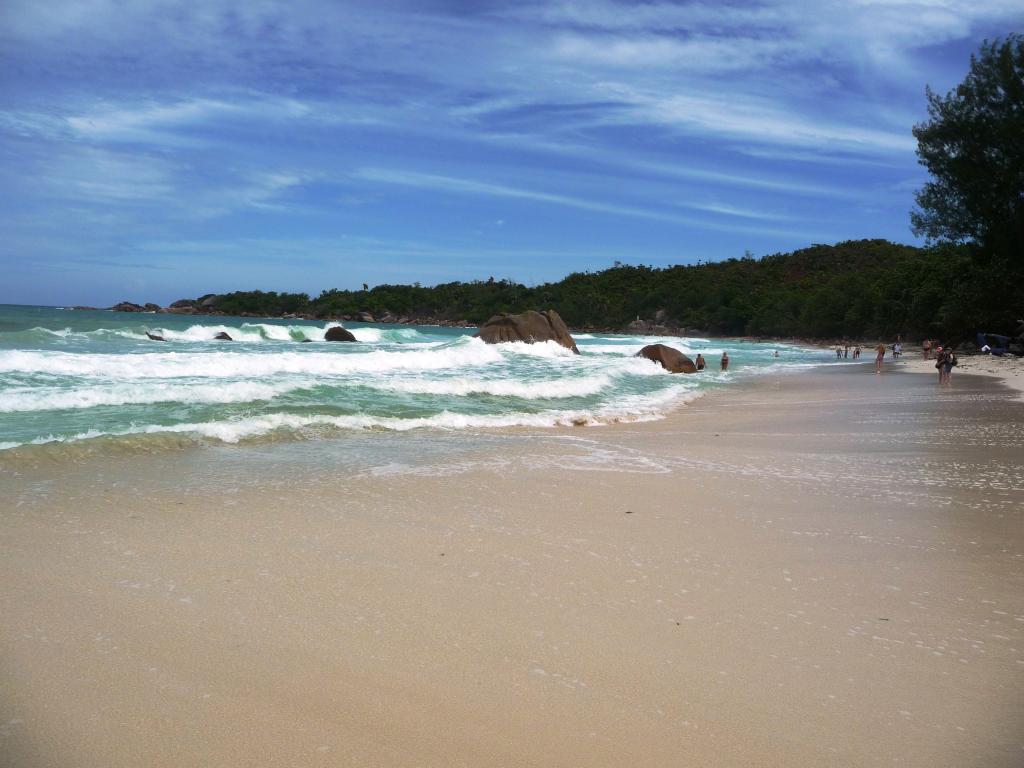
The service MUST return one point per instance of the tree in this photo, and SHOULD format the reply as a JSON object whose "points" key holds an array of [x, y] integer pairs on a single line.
{"points": [[973, 146]]}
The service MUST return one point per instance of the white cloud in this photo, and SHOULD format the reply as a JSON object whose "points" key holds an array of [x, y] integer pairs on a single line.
{"points": [[472, 187], [158, 122], [732, 210], [754, 120], [487, 189], [96, 175], [695, 54], [155, 113]]}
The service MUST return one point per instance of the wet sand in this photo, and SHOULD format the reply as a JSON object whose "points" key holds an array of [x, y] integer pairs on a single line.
{"points": [[1007, 369], [818, 569]]}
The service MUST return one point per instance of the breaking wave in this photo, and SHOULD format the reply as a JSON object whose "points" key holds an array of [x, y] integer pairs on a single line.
{"points": [[205, 333], [241, 429], [226, 364], [65, 382]]}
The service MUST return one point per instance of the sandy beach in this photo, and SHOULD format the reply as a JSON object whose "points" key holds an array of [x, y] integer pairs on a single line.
{"points": [[824, 568], [1007, 369]]}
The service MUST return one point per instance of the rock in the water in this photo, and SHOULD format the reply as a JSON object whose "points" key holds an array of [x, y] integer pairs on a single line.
{"points": [[222, 336], [337, 333], [306, 341], [151, 307], [670, 359], [127, 306], [155, 337], [364, 317], [530, 327]]}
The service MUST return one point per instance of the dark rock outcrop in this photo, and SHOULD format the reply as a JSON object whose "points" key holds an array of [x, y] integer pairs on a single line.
{"points": [[151, 307], [183, 307], [530, 327], [222, 336], [127, 306], [671, 359], [155, 336], [337, 333], [364, 317]]}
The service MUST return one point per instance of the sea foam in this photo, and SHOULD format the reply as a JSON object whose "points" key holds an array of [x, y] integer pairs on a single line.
{"points": [[87, 380], [227, 364]]}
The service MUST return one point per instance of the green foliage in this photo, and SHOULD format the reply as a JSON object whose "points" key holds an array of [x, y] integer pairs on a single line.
{"points": [[972, 146], [261, 303], [855, 289], [970, 280]]}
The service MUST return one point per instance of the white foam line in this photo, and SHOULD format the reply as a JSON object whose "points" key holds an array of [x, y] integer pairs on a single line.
{"points": [[635, 409]]}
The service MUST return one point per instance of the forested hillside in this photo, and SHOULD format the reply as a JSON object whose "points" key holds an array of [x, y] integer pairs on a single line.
{"points": [[855, 289]]}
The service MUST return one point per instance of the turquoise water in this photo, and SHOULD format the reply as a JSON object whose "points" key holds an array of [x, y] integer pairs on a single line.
{"points": [[74, 376]]}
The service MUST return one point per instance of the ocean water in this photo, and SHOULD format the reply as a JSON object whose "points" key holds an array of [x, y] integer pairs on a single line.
{"points": [[93, 378]]}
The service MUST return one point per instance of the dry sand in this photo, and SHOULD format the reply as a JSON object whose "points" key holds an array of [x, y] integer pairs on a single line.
{"points": [[817, 570]]}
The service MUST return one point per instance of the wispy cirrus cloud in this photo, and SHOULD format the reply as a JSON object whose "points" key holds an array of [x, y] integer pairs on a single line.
{"points": [[703, 128], [162, 122], [475, 187]]}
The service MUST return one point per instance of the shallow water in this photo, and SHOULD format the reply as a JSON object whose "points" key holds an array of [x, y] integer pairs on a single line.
{"points": [[94, 380]]}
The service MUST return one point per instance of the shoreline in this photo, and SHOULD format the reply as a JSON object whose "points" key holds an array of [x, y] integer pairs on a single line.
{"points": [[1007, 370], [818, 568], [638, 328]]}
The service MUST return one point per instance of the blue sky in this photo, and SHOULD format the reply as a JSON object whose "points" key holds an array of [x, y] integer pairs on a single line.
{"points": [[155, 150]]}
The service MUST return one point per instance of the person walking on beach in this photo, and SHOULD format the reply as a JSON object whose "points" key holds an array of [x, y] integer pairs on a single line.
{"points": [[897, 349], [880, 350], [926, 347], [725, 361], [700, 362]]}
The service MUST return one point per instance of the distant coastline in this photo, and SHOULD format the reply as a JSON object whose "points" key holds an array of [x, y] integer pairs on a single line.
{"points": [[857, 290], [638, 327]]}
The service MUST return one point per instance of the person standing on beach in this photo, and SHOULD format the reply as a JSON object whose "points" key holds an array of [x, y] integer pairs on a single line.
{"points": [[951, 362], [926, 347], [880, 349], [856, 352], [944, 363], [725, 361]]}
